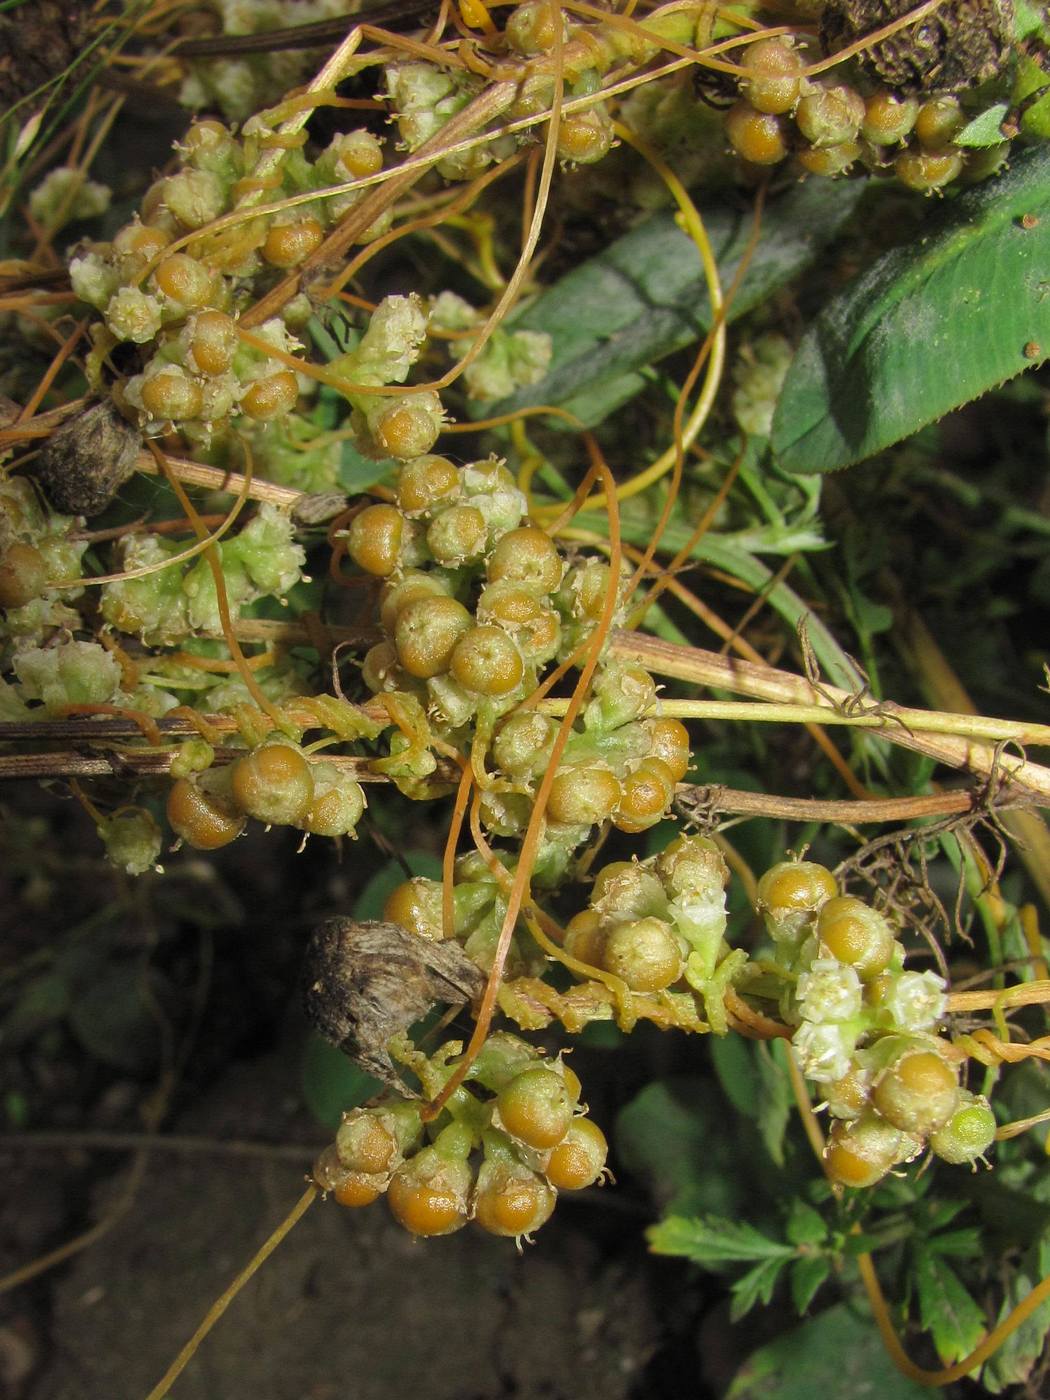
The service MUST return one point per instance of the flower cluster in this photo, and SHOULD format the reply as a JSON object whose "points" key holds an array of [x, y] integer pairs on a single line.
{"points": [[867, 1030]]}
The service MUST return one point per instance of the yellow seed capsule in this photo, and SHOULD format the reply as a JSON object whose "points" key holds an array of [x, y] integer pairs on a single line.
{"points": [[774, 75], [213, 342], [360, 155], [647, 794], [795, 886], [536, 1107], [757, 136], [202, 819], [171, 394], [584, 938], [512, 1203], [527, 556], [271, 397], [356, 1189], [426, 635], [184, 280], [457, 534], [860, 1153], [579, 1159], [397, 594], [854, 933], [416, 905], [287, 245], [926, 171], [273, 784], [645, 953], [669, 741], [23, 575], [425, 482], [830, 161], [487, 662], [583, 795], [374, 542], [888, 118], [405, 431], [585, 138], [140, 242], [919, 1093], [939, 121]]}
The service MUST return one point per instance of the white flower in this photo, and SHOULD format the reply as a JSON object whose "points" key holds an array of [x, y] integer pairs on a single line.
{"points": [[829, 991], [824, 1051], [133, 315], [917, 1001]]}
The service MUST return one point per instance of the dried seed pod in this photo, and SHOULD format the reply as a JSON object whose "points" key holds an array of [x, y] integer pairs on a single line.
{"points": [[86, 461], [364, 983], [958, 46]]}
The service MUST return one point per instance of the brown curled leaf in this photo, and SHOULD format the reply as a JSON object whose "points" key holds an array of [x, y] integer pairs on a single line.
{"points": [[86, 461], [364, 983]]}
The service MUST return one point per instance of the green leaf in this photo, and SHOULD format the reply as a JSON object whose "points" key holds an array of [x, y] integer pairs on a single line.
{"points": [[984, 129], [734, 1063], [331, 1082], [807, 1275], [928, 327], [756, 1286], [645, 296], [946, 1310], [805, 1225], [714, 1242], [836, 1354]]}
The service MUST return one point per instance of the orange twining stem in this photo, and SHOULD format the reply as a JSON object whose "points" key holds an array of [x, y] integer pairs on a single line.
{"points": [[448, 859]]}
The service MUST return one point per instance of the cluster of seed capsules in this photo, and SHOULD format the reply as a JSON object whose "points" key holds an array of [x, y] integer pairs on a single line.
{"points": [[831, 128], [475, 603], [180, 305], [657, 924], [498, 1154], [275, 783], [867, 1030]]}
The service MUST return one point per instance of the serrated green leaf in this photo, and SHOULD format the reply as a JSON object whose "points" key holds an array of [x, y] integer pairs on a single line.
{"points": [[836, 1354], [645, 296], [756, 1286], [714, 1242], [984, 129], [946, 1310], [805, 1225], [930, 326], [807, 1275]]}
